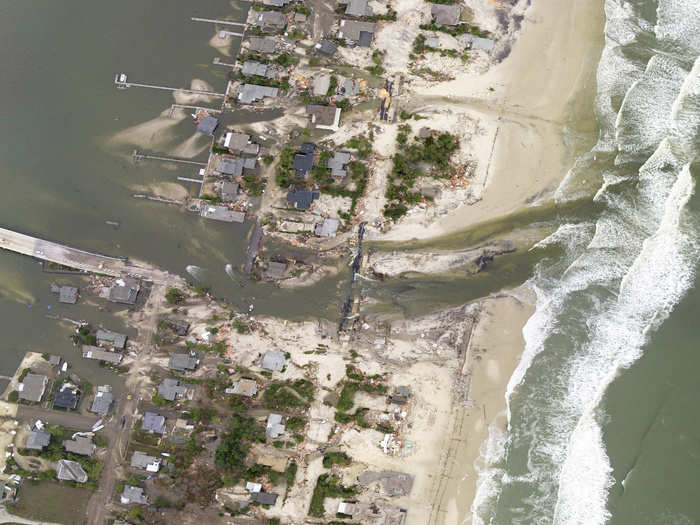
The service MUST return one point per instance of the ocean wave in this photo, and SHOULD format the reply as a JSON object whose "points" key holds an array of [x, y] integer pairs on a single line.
{"points": [[619, 279]]}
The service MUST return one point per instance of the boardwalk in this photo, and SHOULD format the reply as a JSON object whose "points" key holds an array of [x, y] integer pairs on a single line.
{"points": [[81, 259]]}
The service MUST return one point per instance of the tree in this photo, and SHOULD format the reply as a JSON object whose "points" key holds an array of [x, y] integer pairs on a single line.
{"points": [[174, 296]]}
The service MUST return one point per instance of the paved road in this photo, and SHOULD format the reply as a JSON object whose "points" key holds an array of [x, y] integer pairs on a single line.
{"points": [[54, 417], [80, 259], [98, 507]]}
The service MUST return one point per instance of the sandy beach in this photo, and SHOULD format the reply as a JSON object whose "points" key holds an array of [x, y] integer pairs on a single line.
{"points": [[534, 114]]}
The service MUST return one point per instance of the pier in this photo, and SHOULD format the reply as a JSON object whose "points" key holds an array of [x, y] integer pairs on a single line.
{"points": [[79, 259], [138, 156], [213, 21], [173, 107], [217, 62], [121, 81]]}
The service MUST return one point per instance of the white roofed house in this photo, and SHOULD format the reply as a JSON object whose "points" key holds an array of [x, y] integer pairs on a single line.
{"points": [[144, 461], [274, 427]]}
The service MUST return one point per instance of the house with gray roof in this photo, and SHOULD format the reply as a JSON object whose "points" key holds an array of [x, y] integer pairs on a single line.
{"points": [[321, 84], [153, 422], [271, 20], [327, 228], [338, 163], [38, 439], [357, 8], [276, 3], [264, 498], [274, 427], [182, 362], [240, 143], [66, 294], [81, 445], [68, 470], [249, 93], [132, 494], [302, 200], [107, 337], [273, 360], [207, 125], [243, 387], [323, 117], [32, 387], [351, 29], [102, 403], [326, 47], [221, 213], [66, 397], [229, 191], [142, 460], [172, 389], [234, 166], [476, 42], [446, 14], [253, 68], [124, 291], [95, 352], [262, 44]]}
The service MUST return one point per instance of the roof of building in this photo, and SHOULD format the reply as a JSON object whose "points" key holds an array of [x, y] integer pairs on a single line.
{"points": [[249, 93], [303, 163], [66, 294], [446, 14], [102, 402], [222, 213], [95, 352], [351, 87], [82, 445], [107, 336], [326, 47], [264, 498], [274, 427], [236, 142], [229, 191], [182, 362], [276, 3], [300, 17], [476, 42], [273, 360], [230, 166], [338, 162], [132, 494], [357, 8], [38, 439], [327, 228], [275, 270], [66, 397], [172, 389], [271, 19], [54, 360], [262, 44], [124, 291], [365, 39], [32, 387], [432, 41], [302, 200], [324, 117], [253, 487], [321, 84], [153, 422], [142, 460], [244, 387], [253, 68], [347, 508], [207, 125], [350, 29], [68, 470]]}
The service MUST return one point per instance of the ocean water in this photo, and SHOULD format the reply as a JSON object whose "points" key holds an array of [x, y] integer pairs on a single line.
{"points": [[601, 420]]}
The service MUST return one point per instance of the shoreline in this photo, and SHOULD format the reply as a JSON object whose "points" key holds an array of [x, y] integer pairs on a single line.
{"points": [[536, 110], [496, 343]]}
